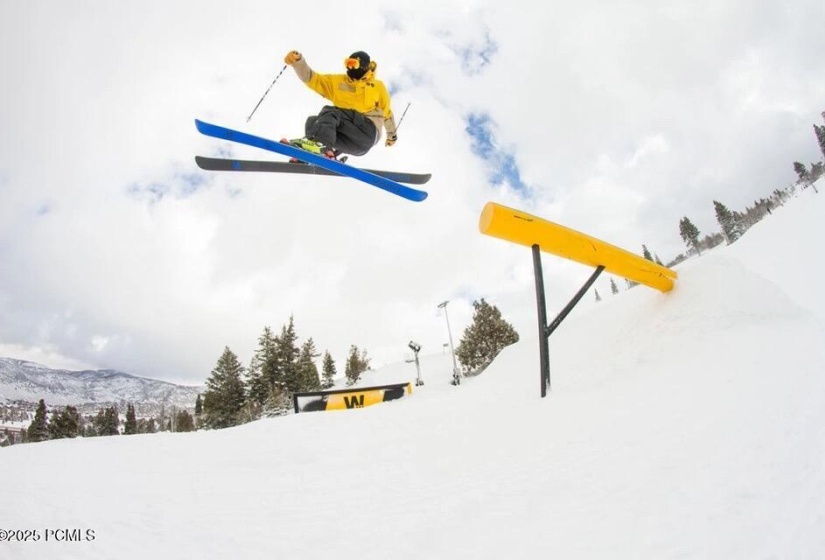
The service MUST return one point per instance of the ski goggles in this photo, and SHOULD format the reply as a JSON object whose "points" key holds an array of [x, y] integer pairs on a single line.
{"points": [[352, 63]]}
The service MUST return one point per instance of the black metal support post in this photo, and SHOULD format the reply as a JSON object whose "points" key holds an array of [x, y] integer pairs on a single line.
{"points": [[546, 330], [580, 294], [544, 352]]}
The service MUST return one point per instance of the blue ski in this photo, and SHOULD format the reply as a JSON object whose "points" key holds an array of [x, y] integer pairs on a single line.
{"points": [[332, 165]]}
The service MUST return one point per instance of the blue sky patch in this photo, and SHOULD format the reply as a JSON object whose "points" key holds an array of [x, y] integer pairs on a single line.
{"points": [[501, 164]]}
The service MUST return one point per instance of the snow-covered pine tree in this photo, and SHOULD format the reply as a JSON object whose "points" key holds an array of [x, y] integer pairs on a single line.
{"points": [[802, 172], [819, 131], [130, 426], [39, 428], [613, 287], [224, 396], [107, 422], [357, 363], [646, 253], [308, 371], [261, 372], [184, 421], [728, 221], [278, 402], [65, 423], [488, 334], [328, 372], [690, 234], [286, 374]]}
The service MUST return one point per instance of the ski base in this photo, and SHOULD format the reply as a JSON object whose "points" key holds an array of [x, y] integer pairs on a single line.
{"points": [[221, 164]]}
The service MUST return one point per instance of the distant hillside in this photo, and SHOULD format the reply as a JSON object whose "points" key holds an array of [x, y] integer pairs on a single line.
{"points": [[27, 381]]}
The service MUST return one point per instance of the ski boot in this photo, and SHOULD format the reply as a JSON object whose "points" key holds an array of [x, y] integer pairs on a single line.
{"points": [[313, 147]]}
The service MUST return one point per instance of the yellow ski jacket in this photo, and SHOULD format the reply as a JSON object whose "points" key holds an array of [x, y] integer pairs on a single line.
{"points": [[368, 95]]}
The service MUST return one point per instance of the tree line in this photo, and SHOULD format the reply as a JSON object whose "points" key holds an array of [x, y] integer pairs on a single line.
{"points": [[734, 224], [67, 422], [280, 367]]}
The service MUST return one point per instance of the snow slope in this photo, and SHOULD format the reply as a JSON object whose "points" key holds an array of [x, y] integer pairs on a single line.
{"points": [[681, 425]]}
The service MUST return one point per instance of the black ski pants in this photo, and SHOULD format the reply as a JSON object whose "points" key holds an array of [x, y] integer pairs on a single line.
{"points": [[344, 130]]}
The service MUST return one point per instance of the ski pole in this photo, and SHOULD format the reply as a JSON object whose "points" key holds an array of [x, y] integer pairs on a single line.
{"points": [[267, 91], [402, 116]]}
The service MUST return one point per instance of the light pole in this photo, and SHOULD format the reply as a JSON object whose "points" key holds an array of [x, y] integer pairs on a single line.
{"points": [[456, 376], [416, 348]]}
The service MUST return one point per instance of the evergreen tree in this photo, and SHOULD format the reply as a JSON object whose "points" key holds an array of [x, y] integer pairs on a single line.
{"points": [[107, 422], [184, 422], [488, 334], [72, 421], [89, 429], [162, 418], [66, 423], [357, 363], [262, 368], [817, 170], [598, 297], [39, 428], [278, 402], [224, 395], [820, 136], [130, 427], [250, 412], [287, 353], [802, 172], [729, 222], [690, 234], [199, 408], [328, 372], [646, 253], [55, 429], [613, 287], [306, 366]]}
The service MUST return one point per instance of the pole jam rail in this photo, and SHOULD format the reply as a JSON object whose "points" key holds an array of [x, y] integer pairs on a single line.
{"points": [[542, 235]]}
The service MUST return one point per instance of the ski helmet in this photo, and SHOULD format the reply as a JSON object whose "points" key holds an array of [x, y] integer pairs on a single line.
{"points": [[357, 65]]}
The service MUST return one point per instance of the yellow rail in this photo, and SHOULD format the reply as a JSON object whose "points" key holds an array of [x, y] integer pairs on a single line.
{"points": [[525, 229]]}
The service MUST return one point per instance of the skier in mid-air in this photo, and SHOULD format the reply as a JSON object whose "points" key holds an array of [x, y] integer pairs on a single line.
{"points": [[360, 108]]}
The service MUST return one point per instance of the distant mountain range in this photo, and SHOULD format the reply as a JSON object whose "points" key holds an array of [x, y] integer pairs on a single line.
{"points": [[90, 390]]}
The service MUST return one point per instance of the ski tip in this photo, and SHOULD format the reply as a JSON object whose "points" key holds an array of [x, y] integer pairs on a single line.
{"points": [[420, 196]]}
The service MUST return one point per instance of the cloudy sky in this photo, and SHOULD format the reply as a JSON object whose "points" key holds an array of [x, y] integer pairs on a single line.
{"points": [[116, 251]]}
